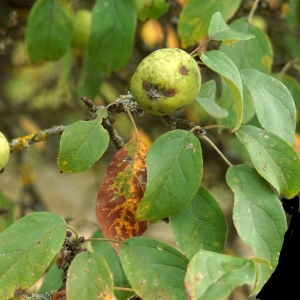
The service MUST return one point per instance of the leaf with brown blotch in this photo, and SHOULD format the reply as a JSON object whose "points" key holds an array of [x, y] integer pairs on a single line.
{"points": [[121, 191]]}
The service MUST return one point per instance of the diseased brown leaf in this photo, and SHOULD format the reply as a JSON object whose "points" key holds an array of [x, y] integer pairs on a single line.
{"points": [[121, 191]]}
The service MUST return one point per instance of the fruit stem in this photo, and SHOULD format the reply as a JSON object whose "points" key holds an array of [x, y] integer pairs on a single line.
{"points": [[193, 53], [253, 10], [217, 149], [132, 121], [290, 64]]}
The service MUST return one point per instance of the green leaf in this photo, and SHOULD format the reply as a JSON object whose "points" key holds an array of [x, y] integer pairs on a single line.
{"points": [[255, 53], [226, 102], [274, 105], [213, 276], [154, 269], [273, 158], [91, 79], [200, 225], [220, 63], [7, 212], [82, 144], [292, 84], [112, 34], [89, 277], [174, 166], [27, 249], [219, 31], [113, 261], [207, 99], [258, 217], [151, 9], [195, 18], [49, 30], [53, 279]]}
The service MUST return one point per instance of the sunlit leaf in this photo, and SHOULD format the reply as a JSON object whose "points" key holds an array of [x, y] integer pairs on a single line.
{"points": [[213, 276], [200, 225], [174, 166], [258, 217], [220, 63], [207, 99], [218, 30], [49, 30], [274, 105], [122, 188], [82, 144], [154, 269], [26, 250], [89, 277], [112, 34], [256, 53], [273, 158], [195, 18]]}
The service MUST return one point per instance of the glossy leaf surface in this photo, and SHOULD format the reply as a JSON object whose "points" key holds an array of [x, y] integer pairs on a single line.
{"points": [[154, 269], [258, 217], [27, 249], [174, 166], [82, 144], [273, 158], [213, 276], [201, 225]]}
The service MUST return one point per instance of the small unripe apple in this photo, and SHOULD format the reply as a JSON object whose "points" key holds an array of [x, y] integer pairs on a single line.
{"points": [[4, 151], [259, 22], [82, 21], [165, 81]]}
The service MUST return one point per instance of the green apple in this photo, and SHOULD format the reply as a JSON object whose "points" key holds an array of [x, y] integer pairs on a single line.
{"points": [[4, 151], [82, 21], [165, 81], [259, 22]]}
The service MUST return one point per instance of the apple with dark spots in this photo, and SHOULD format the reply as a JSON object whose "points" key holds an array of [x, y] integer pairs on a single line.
{"points": [[165, 81], [4, 151]]}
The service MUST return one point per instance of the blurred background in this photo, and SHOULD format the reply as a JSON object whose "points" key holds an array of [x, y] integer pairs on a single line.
{"points": [[39, 96]]}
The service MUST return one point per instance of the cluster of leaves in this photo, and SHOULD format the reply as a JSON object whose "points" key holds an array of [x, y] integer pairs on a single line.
{"points": [[164, 181]]}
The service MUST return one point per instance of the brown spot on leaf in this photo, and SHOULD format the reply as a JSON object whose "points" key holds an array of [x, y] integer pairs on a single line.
{"points": [[183, 70], [122, 189]]}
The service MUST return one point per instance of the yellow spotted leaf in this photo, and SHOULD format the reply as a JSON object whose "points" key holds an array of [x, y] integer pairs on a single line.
{"points": [[122, 189]]}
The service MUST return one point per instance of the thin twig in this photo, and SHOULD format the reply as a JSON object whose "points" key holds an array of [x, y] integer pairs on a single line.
{"points": [[132, 121], [20, 143], [113, 134], [74, 230], [216, 148], [253, 11], [182, 123], [193, 53]]}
